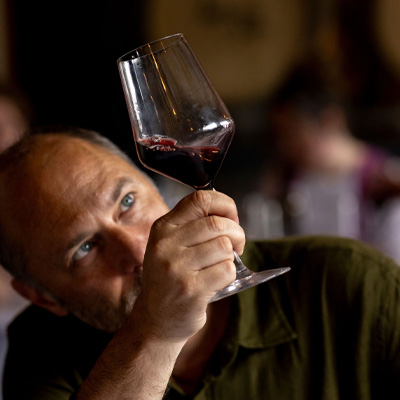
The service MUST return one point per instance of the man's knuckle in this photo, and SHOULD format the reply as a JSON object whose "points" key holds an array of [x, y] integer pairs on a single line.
{"points": [[215, 224], [201, 199], [225, 245]]}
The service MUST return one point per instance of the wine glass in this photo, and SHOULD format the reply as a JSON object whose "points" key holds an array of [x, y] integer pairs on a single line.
{"points": [[182, 128]]}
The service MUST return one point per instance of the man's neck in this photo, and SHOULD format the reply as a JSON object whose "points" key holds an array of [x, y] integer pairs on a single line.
{"points": [[196, 353]]}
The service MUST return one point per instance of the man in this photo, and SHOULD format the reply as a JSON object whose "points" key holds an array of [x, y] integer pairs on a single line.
{"points": [[121, 286]]}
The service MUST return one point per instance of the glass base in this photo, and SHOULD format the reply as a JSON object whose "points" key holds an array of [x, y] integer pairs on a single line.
{"points": [[246, 279]]}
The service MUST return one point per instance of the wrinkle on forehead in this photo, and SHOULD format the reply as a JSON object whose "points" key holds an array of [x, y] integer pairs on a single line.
{"points": [[53, 173]]}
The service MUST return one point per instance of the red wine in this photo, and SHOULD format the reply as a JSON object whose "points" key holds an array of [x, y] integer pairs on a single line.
{"points": [[193, 166]]}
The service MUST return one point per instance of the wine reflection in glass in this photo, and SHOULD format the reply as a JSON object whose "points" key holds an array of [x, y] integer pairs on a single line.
{"points": [[182, 128]]}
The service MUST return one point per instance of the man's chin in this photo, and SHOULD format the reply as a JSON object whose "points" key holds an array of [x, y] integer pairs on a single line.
{"points": [[105, 317]]}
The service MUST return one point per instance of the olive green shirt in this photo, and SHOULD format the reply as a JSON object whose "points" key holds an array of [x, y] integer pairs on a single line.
{"points": [[328, 329]]}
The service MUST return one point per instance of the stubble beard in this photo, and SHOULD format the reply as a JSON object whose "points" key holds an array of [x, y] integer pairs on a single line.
{"points": [[101, 312]]}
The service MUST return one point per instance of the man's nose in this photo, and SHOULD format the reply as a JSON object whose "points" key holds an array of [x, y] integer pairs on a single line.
{"points": [[127, 247]]}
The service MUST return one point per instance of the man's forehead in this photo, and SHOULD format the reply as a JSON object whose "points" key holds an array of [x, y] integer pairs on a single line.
{"points": [[60, 149], [63, 155], [58, 169]]}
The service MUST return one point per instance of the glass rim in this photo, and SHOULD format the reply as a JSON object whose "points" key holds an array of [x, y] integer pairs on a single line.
{"points": [[146, 49]]}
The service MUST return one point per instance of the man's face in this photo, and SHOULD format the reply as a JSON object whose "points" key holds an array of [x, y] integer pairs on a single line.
{"points": [[83, 217]]}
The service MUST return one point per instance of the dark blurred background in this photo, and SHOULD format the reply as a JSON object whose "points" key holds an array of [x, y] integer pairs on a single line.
{"points": [[63, 54]]}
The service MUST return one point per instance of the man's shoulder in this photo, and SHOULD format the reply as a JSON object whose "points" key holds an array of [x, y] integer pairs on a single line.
{"points": [[43, 348], [32, 314], [36, 329], [336, 254], [41, 325], [336, 278]]}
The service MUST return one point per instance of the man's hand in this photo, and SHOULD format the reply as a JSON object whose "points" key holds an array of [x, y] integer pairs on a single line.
{"points": [[189, 257]]}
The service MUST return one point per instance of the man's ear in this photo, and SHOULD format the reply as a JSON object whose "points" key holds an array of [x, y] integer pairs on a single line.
{"points": [[39, 298]]}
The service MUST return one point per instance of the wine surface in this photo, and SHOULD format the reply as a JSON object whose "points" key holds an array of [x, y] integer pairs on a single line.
{"points": [[191, 165]]}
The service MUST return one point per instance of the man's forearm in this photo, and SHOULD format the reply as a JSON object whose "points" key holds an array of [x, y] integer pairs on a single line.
{"points": [[131, 368]]}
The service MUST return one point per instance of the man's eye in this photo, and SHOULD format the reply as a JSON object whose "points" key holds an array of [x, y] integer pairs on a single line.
{"points": [[83, 250], [127, 202]]}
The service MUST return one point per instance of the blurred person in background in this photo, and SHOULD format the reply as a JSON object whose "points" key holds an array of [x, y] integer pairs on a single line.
{"points": [[15, 115], [323, 178], [15, 120]]}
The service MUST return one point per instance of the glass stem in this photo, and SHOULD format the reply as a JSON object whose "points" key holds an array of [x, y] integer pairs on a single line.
{"points": [[240, 267]]}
